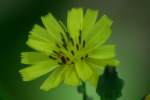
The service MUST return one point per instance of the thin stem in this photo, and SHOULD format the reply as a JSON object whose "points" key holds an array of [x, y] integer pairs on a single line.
{"points": [[84, 91]]}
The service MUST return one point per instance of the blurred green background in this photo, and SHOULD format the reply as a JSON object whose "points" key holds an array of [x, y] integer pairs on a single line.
{"points": [[131, 32]]}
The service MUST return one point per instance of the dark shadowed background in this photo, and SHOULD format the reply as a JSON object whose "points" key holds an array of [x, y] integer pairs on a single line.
{"points": [[131, 33]]}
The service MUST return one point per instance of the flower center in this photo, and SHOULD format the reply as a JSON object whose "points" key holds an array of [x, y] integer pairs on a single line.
{"points": [[69, 49]]}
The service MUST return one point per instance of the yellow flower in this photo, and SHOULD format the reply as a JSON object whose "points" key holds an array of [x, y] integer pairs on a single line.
{"points": [[69, 54]]}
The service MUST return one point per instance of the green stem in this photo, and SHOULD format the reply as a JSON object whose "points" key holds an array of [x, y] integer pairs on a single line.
{"points": [[84, 91]]}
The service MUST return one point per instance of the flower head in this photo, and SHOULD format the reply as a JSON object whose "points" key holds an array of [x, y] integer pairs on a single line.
{"points": [[69, 54]]}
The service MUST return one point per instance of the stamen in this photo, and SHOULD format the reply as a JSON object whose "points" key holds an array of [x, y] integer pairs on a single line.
{"points": [[60, 63], [68, 35], [80, 37], [55, 52], [61, 35], [72, 41], [64, 42], [68, 58], [52, 57], [72, 52], [65, 46], [58, 45], [63, 60], [77, 46], [82, 58], [83, 43], [63, 39], [86, 56]]}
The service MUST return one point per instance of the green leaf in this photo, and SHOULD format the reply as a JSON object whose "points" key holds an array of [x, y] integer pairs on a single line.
{"points": [[100, 33], [71, 77], [37, 70], [54, 79], [110, 85], [74, 22], [89, 21], [52, 26], [103, 52], [83, 70], [33, 57]]}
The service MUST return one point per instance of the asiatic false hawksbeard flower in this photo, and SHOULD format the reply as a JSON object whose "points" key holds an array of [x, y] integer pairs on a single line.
{"points": [[69, 54]]}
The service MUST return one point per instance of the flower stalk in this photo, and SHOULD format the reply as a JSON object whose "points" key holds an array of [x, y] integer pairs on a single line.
{"points": [[84, 91]]}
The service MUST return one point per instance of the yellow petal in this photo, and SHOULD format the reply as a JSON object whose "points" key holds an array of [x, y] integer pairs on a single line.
{"points": [[103, 52], [83, 70], [74, 22], [37, 70], [54, 79], [33, 57], [71, 77]]}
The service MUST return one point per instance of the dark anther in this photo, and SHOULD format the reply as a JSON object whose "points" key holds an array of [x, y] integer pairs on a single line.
{"points": [[60, 63], [63, 39], [52, 57], [77, 46], [80, 37], [55, 52], [68, 36], [65, 46], [58, 45], [72, 52], [82, 58], [83, 43], [86, 56], [72, 41], [61, 35], [68, 58], [63, 60]]}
